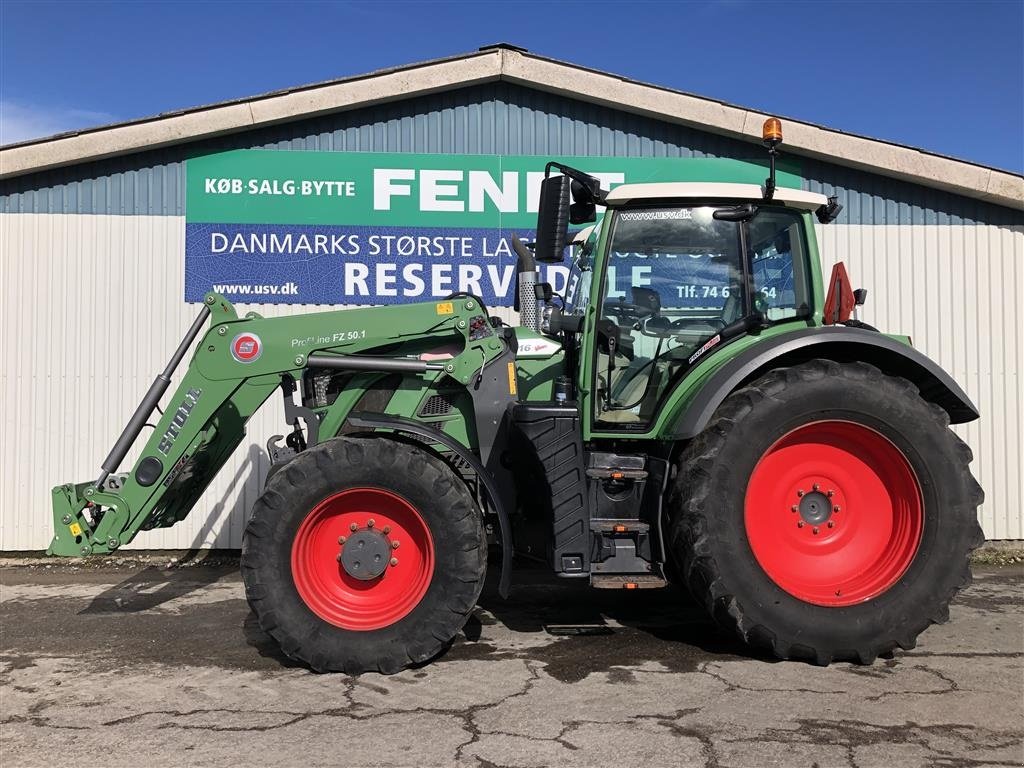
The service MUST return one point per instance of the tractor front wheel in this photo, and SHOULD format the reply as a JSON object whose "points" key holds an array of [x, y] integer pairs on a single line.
{"points": [[364, 554], [826, 513]]}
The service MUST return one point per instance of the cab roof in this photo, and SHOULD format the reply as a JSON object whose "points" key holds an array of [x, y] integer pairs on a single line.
{"points": [[699, 190]]}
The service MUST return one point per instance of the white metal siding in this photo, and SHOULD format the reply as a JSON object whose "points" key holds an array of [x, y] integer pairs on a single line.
{"points": [[91, 309], [957, 291]]}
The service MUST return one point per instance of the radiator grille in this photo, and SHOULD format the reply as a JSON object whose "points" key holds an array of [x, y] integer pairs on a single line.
{"points": [[437, 405]]}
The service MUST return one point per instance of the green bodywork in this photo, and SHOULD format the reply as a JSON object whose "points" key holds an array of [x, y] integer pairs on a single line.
{"points": [[206, 416]]}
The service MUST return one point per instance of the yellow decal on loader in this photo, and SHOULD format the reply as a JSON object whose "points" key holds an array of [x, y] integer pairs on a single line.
{"points": [[511, 378], [446, 308], [76, 529]]}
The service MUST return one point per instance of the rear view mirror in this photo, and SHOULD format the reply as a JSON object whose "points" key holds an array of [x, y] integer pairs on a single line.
{"points": [[552, 219], [583, 209]]}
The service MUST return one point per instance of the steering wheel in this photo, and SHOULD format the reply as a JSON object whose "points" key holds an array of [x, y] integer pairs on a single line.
{"points": [[624, 307]]}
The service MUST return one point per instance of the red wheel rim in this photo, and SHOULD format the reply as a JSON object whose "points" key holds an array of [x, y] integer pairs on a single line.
{"points": [[339, 598], [833, 513]]}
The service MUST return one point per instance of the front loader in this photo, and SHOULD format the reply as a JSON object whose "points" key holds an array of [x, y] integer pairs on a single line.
{"points": [[697, 408]]}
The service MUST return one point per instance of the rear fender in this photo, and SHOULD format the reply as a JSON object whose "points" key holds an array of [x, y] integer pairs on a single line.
{"points": [[838, 343]]}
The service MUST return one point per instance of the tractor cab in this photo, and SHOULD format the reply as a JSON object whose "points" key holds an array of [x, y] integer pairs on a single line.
{"points": [[671, 273]]}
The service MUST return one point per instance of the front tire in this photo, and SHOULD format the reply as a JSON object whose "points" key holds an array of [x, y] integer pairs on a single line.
{"points": [[826, 513], [364, 554]]}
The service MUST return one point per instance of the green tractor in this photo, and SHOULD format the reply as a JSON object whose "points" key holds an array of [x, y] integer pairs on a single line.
{"points": [[697, 408]]}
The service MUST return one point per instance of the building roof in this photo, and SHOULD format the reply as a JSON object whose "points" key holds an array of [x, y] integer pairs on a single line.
{"points": [[508, 63]]}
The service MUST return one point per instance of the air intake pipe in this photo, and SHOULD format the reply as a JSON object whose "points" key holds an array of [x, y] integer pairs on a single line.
{"points": [[526, 302]]}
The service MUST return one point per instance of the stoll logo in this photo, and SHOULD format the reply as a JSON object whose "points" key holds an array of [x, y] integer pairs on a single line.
{"points": [[246, 347]]}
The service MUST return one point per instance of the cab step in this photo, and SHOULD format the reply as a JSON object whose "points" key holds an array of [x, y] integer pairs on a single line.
{"points": [[627, 581]]}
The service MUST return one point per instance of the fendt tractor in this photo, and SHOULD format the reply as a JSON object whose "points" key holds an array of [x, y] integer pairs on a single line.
{"points": [[697, 408]]}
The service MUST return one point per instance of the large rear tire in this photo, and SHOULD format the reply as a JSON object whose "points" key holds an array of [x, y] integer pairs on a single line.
{"points": [[827, 513], [364, 554]]}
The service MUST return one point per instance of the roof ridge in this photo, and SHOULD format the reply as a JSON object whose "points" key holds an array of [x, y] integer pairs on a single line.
{"points": [[511, 63]]}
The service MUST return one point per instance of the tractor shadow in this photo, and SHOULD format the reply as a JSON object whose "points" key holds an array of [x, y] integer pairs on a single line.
{"points": [[265, 645], [192, 571], [596, 630]]}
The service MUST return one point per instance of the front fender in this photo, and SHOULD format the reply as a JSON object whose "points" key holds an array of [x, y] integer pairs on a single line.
{"points": [[838, 343]]}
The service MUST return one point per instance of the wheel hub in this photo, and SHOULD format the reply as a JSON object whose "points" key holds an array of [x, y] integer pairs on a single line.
{"points": [[365, 554], [362, 558], [815, 507], [833, 513]]}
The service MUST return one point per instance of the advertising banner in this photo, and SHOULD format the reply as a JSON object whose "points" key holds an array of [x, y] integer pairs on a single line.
{"points": [[291, 227]]}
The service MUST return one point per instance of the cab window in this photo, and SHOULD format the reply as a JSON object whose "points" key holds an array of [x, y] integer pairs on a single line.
{"points": [[675, 277], [777, 261]]}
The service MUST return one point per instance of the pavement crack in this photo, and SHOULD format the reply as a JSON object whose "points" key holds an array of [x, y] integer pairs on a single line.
{"points": [[731, 686], [468, 715], [850, 734], [293, 718], [953, 686], [41, 722]]}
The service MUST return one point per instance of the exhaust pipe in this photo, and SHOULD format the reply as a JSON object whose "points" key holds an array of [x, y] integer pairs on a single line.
{"points": [[526, 303]]}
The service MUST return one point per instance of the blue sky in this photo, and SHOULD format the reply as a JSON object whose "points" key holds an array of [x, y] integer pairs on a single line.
{"points": [[944, 76]]}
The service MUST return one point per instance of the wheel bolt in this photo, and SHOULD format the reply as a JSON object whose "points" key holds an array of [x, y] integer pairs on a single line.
{"points": [[800, 493], [338, 558], [353, 527], [386, 530], [394, 561], [838, 592], [370, 523], [814, 530], [835, 508], [830, 493], [816, 486], [394, 544], [831, 524], [341, 539], [799, 523], [793, 508]]}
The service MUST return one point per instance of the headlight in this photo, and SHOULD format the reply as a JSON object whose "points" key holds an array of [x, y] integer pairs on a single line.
{"points": [[545, 318]]}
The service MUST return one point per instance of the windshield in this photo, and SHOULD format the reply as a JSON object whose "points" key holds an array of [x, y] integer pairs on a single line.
{"points": [[676, 276]]}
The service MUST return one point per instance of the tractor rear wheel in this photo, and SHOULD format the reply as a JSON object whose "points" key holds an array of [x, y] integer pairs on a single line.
{"points": [[826, 513], [364, 554]]}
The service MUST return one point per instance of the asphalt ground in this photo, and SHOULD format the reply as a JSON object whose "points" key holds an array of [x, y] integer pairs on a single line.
{"points": [[148, 666]]}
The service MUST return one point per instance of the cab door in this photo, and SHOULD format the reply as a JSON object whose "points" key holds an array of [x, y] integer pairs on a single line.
{"points": [[673, 277]]}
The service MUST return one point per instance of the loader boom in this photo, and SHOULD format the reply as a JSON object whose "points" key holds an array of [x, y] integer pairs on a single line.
{"points": [[236, 367]]}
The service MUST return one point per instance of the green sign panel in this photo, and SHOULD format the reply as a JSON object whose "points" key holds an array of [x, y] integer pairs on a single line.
{"points": [[348, 227]]}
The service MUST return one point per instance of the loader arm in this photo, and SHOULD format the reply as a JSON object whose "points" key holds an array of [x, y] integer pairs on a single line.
{"points": [[236, 366]]}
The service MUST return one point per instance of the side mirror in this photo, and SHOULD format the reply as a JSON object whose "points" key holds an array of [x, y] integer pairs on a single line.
{"points": [[552, 219], [860, 296], [830, 211], [583, 209]]}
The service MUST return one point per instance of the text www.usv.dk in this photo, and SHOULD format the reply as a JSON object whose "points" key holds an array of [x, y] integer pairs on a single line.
{"points": [[286, 289]]}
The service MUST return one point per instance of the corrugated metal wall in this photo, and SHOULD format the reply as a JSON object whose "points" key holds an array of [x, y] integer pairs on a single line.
{"points": [[956, 290], [92, 279]]}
